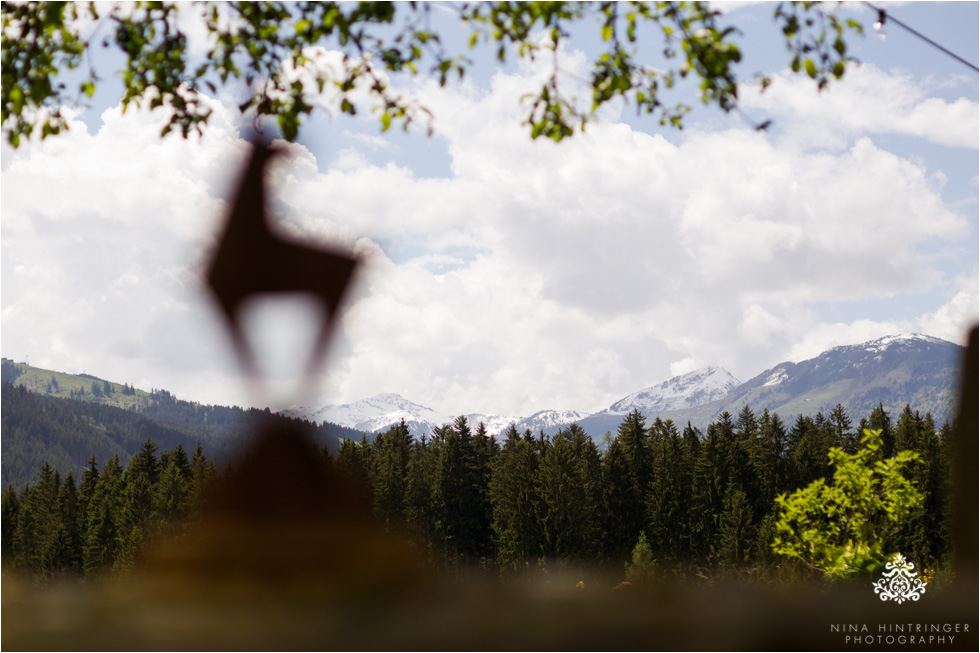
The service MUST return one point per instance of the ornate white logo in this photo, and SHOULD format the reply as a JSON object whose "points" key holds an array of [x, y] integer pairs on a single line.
{"points": [[899, 583]]}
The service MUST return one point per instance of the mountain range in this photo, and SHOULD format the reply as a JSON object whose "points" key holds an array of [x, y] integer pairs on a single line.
{"points": [[82, 414], [894, 371]]}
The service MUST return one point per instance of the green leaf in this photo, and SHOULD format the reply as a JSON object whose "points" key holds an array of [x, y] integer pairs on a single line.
{"points": [[607, 32]]}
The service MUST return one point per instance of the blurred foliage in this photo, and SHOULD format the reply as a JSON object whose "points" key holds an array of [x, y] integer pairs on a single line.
{"points": [[261, 48], [841, 528]]}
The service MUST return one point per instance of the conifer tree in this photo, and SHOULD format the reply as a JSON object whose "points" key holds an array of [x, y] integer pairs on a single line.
{"points": [[203, 475], [515, 502], [625, 509], [924, 538], [842, 435], [103, 521], [767, 456], [808, 451], [561, 486], [880, 420], [595, 514], [145, 462], [735, 527], [420, 476], [393, 449], [692, 442], [356, 460], [172, 495], [455, 499], [641, 570], [668, 498], [9, 513], [67, 555], [90, 478], [708, 484], [636, 447]]}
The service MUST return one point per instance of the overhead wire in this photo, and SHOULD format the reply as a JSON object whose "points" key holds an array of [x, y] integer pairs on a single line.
{"points": [[885, 17]]}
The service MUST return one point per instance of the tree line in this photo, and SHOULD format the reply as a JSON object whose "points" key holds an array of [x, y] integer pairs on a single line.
{"points": [[64, 432], [57, 528], [689, 504]]}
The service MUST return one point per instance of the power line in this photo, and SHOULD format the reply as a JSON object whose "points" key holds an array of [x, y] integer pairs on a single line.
{"points": [[883, 17]]}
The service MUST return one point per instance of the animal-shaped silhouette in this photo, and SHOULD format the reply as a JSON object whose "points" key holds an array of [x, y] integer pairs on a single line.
{"points": [[252, 260]]}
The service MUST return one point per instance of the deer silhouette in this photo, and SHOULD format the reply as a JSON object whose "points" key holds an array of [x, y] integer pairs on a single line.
{"points": [[252, 260]]}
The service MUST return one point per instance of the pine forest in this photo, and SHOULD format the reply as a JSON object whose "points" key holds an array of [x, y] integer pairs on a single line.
{"points": [[739, 501]]}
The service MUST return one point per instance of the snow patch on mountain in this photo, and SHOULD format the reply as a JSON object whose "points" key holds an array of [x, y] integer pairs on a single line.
{"points": [[778, 376], [543, 420], [379, 412], [374, 414], [686, 391], [882, 344]]}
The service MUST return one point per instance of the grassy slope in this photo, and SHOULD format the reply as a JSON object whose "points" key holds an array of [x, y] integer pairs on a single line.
{"points": [[42, 381]]}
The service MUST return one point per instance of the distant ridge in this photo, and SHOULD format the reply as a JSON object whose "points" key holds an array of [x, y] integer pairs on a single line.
{"points": [[894, 370], [381, 411], [914, 369]]}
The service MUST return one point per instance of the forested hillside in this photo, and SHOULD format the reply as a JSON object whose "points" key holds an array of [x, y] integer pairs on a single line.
{"points": [[38, 429]]}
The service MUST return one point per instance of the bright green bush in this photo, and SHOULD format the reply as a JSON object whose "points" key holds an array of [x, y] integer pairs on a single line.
{"points": [[841, 529]]}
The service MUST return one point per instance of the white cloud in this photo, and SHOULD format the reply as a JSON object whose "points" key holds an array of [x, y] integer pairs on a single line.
{"points": [[951, 320], [867, 100], [538, 276]]}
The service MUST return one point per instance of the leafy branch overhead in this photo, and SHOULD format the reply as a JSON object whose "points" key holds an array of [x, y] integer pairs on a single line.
{"points": [[270, 54]]}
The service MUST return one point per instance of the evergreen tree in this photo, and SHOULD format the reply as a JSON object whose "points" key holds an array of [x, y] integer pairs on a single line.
{"points": [[356, 460], [561, 486], [393, 449], [145, 462], [514, 498], [172, 497], [9, 514], [692, 442], [669, 495], [90, 478], [456, 502], [103, 520], [808, 452], [641, 570], [708, 485], [625, 510], [842, 435], [203, 474], [735, 528], [879, 420], [420, 477], [590, 462], [636, 448], [767, 455], [742, 439], [67, 553], [628, 470], [924, 538]]}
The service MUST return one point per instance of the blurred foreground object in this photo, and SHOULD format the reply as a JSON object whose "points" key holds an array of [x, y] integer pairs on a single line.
{"points": [[251, 260]]}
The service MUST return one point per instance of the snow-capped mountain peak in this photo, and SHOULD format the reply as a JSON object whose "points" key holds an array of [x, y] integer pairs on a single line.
{"points": [[906, 339], [373, 414], [686, 391]]}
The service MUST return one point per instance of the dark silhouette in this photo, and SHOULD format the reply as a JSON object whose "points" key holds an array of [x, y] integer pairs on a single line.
{"points": [[252, 260]]}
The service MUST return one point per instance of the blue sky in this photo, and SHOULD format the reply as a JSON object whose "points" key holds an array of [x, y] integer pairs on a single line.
{"points": [[508, 276]]}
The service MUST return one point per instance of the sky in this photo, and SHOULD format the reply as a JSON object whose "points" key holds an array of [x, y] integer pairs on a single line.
{"points": [[504, 275]]}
